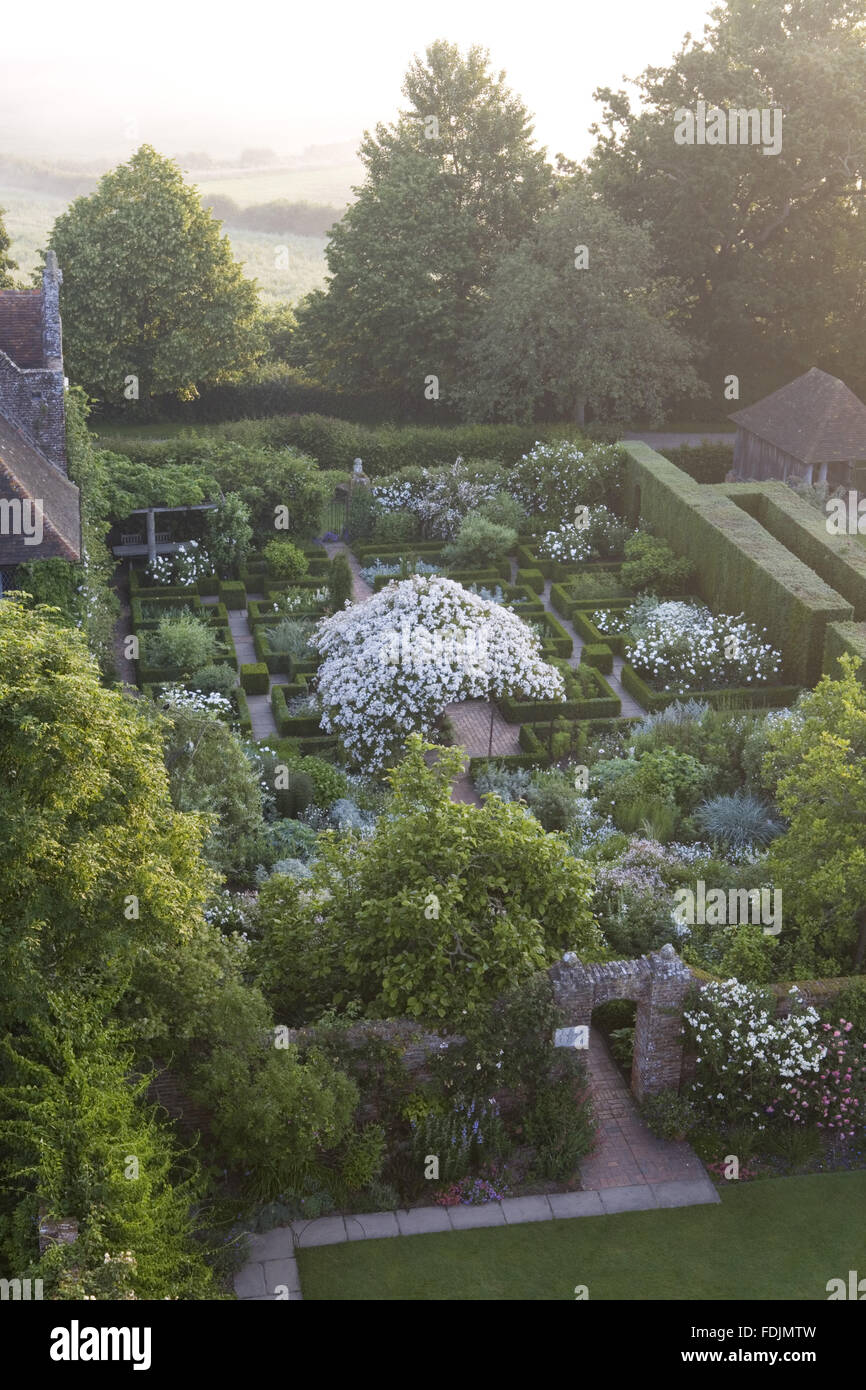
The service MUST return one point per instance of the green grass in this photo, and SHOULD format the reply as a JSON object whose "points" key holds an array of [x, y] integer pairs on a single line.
{"points": [[30, 216], [780, 1238], [326, 184]]}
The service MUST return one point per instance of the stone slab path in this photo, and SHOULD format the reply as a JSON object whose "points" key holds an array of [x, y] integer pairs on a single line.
{"points": [[261, 714]]}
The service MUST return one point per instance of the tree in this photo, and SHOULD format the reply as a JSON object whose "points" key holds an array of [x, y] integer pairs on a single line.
{"points": [[97, 864], [452, 184], [279, 324], [446, 907], [7, 265], [210, 773], [228, 534], [79, 1138], [768, 247], [575, 317], [818, 757], [340, 586], [150, 287]]}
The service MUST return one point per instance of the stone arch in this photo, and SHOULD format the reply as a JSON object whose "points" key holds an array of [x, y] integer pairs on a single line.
{"points": [[658, 983]]}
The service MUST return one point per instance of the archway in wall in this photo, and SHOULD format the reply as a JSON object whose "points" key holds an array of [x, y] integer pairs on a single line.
{"points": [[657, 983]]}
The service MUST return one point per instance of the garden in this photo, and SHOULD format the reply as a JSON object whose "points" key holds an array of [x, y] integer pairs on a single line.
{"points": [[332, 847]]}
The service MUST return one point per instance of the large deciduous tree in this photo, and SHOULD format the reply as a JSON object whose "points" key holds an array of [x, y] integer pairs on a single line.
{"points": [[150, 287], [768, 246], [577, 318], [455, 182], [443, 910], [97, 864]]}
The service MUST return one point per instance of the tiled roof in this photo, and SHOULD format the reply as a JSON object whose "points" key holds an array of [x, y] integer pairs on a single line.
{"points": [[21, 326], [25, 473], [815, 419]]}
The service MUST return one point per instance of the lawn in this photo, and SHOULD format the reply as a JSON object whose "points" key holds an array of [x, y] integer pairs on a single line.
{"points": [[780, 1238]]}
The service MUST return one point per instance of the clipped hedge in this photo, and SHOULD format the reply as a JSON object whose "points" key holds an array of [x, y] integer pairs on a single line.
{"points": [[254, 678], [844, 639], [511, 760], [839, 560], [743, 697], [598, 655], [244, 717], [292, 726], [706, 463], [586, 628], [531, 579], [740, 567], [587, 695], [233, 594], [555, 638]]}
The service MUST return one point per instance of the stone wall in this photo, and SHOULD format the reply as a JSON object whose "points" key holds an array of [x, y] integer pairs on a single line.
{"points": [[32, 398]]}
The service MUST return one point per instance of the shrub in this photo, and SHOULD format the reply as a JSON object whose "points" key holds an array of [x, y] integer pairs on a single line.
{"points": [[738, 822], [233, 594], [214, 680], [480, 544], [254, 678], [394, 528], [181, 641], [284, 559], [668, 1115], [597, 654], [597, 584], [291, 637], [503, 510], [228, 534], [558, 1125], [651, 564], [340, 587]]}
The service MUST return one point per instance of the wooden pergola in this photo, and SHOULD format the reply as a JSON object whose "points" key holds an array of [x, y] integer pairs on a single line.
{"points": [[154, 546]]}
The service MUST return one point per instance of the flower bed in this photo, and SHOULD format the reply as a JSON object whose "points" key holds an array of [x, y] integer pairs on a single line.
{"points": [[587, 696], [739, 697]]}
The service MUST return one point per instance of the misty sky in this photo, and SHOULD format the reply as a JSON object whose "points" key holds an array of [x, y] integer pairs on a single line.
{"points": [[73, 77]]}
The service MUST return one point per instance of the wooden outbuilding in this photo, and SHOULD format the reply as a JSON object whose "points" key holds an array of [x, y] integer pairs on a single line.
{"points": [[813, 429]]}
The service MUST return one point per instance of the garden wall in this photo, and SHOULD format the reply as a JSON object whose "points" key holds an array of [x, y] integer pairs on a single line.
{"points": [[740, 566]]}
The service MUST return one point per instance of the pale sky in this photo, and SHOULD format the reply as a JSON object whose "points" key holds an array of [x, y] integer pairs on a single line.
{"points": [[192, 75]]}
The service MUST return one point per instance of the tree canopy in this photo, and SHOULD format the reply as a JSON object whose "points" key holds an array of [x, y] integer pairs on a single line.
{"points": [[150, 286], [769, 247], [454, 182]]}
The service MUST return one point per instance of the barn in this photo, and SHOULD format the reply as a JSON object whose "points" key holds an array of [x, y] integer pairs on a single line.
{"points": [[812, 430]]}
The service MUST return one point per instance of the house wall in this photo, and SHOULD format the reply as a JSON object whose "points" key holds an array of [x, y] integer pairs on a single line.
{"points": [[31, 398]]}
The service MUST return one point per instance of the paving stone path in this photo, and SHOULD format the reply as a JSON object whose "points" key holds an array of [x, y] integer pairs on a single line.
{"points": [[261, 714]]}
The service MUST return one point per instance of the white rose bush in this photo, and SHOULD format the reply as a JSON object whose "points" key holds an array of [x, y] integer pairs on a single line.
{"points": [[392, 665], [745, 1054]]}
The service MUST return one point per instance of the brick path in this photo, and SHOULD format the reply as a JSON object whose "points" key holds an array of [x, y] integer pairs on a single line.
{"points": [[361, 590], [626, 1154]]}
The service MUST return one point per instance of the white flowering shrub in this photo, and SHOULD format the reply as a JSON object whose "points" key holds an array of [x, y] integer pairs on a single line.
{"points": [[684, 646], [189, 563], [603, 535], [745, 1054], [438, 497], [554, 479], [178, 697], [457, 646]]}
